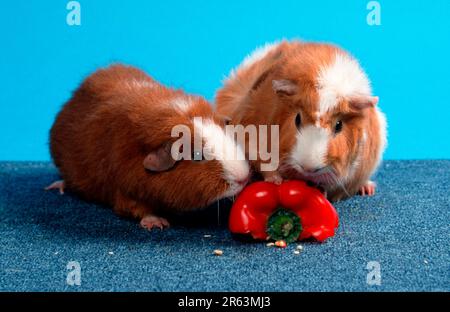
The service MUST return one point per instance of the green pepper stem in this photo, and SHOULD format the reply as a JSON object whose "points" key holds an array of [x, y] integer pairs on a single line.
{"points": [[284, 225]]}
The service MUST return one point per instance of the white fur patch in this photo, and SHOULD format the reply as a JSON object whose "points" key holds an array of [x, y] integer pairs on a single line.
{"points": [[257, 55], [364, 137], [353, 169], [310, 148], [219, 146], [342, 78], [139, 84], [181, 104]]}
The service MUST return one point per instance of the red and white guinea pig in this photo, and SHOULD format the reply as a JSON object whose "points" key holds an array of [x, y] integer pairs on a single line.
{"points": [[331, 130], [112, 144]]}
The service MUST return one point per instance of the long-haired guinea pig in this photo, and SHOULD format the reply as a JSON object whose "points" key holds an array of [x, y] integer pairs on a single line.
{"points": [[112, 143], [331, 130]]}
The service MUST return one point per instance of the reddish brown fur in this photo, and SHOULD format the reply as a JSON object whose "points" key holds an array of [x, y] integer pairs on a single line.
{"points": [[300, 62], [104, 132]]}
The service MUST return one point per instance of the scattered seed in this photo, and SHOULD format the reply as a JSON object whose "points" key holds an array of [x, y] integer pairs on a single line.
{"points": [[207, 236], [299, 247], [297, 252], [425, 261], [218, 252], [270, 244], [110, 253], [56, 253], [281, 244]]}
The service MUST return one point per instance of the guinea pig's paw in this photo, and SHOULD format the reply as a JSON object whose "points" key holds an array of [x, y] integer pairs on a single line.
{"points": [[151, 221], [368, 189], [57, 185]]}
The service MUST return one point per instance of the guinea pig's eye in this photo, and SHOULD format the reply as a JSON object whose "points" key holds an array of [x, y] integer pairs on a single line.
{"points": [[298, 121], [338, 126], [197, 156]]}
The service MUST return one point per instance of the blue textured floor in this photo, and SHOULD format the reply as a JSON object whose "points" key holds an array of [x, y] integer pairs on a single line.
{"points": [[405, 227]]}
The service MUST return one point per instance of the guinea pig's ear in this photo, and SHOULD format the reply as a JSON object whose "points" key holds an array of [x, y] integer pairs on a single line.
{"points": [[159, 159], [284, 87], [363, 101]]}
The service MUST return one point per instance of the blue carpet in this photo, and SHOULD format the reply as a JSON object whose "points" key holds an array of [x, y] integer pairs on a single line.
{"points": [[405, 227]]}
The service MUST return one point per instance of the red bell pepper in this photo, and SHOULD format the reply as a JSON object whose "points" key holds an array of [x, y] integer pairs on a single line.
{"points": [[290, 211]]}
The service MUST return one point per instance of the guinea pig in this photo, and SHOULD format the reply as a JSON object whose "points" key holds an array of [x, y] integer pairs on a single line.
{"points": [[332, 132], [113, 143]]}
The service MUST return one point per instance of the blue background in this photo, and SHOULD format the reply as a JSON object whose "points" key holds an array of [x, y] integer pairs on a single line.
{"points": [[194, 44]]}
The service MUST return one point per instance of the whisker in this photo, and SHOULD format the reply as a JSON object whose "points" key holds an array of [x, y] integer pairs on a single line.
{"points": [[338, 181], [218, 213]]}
